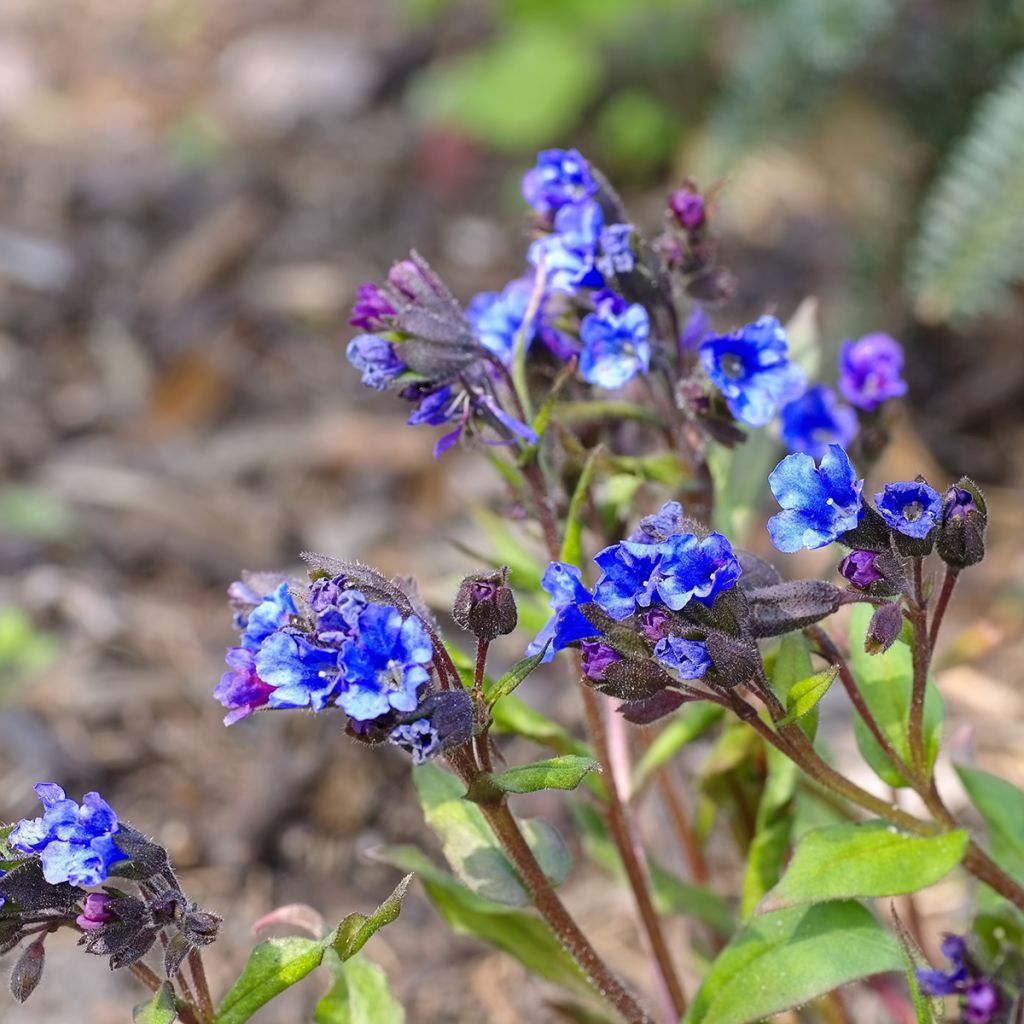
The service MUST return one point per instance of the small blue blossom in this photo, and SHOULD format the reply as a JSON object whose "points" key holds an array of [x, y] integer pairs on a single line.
{"points": [[301, 673], [980, 997], [911, 508], [419, 738], [75, 843], [688, 657], [869, 371], [498, 317], [568, 624], [569, 255], [240, 688], [615, 342], [561, 177], [617, 256], [629, 577], [273, 612], [666, 522], [376, 359], [384, 666], [818, 503], [751, 368], [815, 420]]}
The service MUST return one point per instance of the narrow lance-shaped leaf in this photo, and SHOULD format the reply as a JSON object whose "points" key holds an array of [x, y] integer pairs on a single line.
{"points": [[781, 960], [803, 696], [357, 929], [565, 772], [360, 995], [513, 677], [572, 545], [864, 860]]}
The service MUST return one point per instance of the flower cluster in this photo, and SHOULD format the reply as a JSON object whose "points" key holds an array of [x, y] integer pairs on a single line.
{"points": [[979, 996], [371, 659]]}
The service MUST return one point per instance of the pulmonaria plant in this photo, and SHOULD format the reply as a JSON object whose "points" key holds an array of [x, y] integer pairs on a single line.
{"points": [[611, 383]]}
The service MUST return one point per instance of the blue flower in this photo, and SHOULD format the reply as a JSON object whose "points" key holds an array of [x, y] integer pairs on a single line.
{"points": [[240, 689], [561, 177], [75, 843], [818, 504], [372, 310], [568, 624], [615, 345], [869, 371], [815, 420], [617, 256], [668, 520], [693, 569], [376, 359], [910, 508], [673, 572], [688, 657], [980, 997], [570, 254], [498, 318], [752, 370], [301, 673], [384, 666], [273, 612], [419, 738]]}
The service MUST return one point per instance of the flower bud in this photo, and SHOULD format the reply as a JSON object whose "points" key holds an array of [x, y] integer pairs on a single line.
{"points": [[96, 913], [876, 572], [962, 522], [688, 207], [734, 661], [650, 709], [785, 607], [633, 679], [28, 971], [596, 657], [485, 605], [885, 626]]}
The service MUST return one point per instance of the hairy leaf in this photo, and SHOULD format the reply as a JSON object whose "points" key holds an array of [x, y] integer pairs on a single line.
{"points": [[158, 1010], [565, 772], [360, 995]]}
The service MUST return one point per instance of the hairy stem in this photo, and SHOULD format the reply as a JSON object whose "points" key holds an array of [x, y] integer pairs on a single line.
{"points": [[921, 653], [195, 963], [948, 583]]}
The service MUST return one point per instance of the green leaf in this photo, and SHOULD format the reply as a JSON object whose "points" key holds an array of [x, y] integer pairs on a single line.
{"points": [[565, 772], [803, 697], [572, 545], [470, 847], [791, 667], [513, 677], [885, 681], [1001, 804], [357, 929], [690, 722], [512, 715], [551, 71], [781, 960], [273, 966], [158, 1010], [360, 995], [862, 861], [520, 934]]}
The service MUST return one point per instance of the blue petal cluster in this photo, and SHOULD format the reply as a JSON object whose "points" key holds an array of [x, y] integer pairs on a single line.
{"points": [[376, 358], [819, 503], [751, 368], [617, 256], [498, 317], [911, 508], [688, 657], [74, 842], [567, 623], [561, 177], [672, 572], [569, 254], [980, 997], [615, 341], [815, 420], [420, 739]]}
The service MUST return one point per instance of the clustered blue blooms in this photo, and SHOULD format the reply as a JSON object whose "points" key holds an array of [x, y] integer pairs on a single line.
{"points": [[342, 650], [615, 341], [660, 569], [815, 420], [911, 508], [74, 842], [980, 997]]}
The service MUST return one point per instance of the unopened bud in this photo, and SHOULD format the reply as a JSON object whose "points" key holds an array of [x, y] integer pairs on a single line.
{"points": [[876, 572], [485, 605], [962, 522], [28, 971], [633, 679], [785, 607], [688, 207], [885, 626], [96, 912], [596, 657], [734, 661]]}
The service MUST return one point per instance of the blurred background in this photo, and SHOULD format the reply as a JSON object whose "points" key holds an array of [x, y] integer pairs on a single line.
{"points": [[191, 192]]}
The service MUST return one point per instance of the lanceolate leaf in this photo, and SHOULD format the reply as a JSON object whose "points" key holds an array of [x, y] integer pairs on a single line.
{"points": [[357, 929], [781, 960], [159, 1010], [360, 995], [572, 545], [803, 696], [565, 772], [517, 932], [513, 677], [1001, 804], [864, 860], [886, 681], [791, 669]]}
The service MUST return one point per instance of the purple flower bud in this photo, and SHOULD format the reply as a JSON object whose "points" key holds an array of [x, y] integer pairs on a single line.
{"points": [[884, 628], [372, 311], [596, 659], [859, 568], [653, 623], [485, 605], [962, 522], [96, 912], [688, 207], [981, 1001], [869, 371]]}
